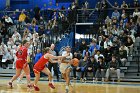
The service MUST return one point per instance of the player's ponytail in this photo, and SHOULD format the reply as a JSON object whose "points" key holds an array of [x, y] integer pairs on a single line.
{"points": [[45, 50]]}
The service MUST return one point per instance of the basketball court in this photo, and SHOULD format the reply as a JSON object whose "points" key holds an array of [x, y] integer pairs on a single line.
{"points": [[76, 87]]}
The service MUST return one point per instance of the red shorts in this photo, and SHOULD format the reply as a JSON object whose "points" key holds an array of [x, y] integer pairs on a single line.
{"points": [[37, 69], [20, 64]]}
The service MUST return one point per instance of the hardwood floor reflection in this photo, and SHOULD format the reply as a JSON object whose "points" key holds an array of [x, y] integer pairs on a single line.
{"points": [[75, 88]]}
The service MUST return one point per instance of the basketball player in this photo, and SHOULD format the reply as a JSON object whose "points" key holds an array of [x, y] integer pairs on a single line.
{"points": [[40, 66], [65, 66], [21, 63]]}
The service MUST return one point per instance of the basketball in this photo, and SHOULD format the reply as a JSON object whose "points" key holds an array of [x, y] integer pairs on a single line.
{"points": [[75, 62]]}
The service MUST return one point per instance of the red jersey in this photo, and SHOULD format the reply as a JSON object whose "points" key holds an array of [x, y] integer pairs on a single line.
{"points": [[40, 65], [22, 53]]}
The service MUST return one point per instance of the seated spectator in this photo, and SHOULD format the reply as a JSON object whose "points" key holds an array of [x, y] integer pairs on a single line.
{"points": [[116, 5], [124, 5], [108, 21], [97, 55], [100, 42], [10, 43], [101, 67], [122, 55], [15, 35], [81, 68], [8, 21], [129, 44], [107, 42], [82, 46], [136, 13], [93, 47], [115, 14], [135, 4], [91, 67], [86, 52], [113, 68], [108, 53], [125, 20]]}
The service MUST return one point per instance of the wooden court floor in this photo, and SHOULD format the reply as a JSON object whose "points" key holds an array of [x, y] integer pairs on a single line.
{"points": [[77, 87]]}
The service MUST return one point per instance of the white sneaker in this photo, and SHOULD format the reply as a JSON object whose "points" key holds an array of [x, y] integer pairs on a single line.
{"points": [[67, 89], [19, 81]]}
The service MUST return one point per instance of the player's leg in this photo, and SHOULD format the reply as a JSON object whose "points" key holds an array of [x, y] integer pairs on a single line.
{"points": [[68, 70], [47, 72], [37, 77], [20, 77], [18, 72], [27, 72], [67, 79]]}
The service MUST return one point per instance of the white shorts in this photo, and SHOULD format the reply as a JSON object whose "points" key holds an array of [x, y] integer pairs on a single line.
{"points": [[64, 66]]}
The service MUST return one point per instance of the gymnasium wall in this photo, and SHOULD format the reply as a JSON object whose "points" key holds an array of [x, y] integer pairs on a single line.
{"points": [[2, 4], [28, 4]]}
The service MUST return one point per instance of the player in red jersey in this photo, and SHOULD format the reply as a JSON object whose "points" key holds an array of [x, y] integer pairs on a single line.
{"points": [[21, 63], [40, 66]]}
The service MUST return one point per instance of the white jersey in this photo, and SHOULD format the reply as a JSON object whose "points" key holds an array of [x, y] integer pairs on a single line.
{"points": [[64, 66], [68, 58]]}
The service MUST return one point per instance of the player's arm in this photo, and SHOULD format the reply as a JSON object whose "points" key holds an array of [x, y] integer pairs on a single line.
{"points": [[50, 56]]}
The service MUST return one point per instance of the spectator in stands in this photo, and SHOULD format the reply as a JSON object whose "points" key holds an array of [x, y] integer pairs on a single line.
{"points": [[122, 55], [129, 44], [10, 43], [37, 12], [22, 17], [17, 41], [108, 21], [136, 13], [116, 5], [15, 35], [8, 21], [100, 42], [81, 68], [124, 5], [113, 68], [101, 67], [38, 55], [107, 54], [86, 52], [93, 47], [98, 6], [116, 14], [82, 46], [107, 42], [97, 55], [135, 4], [125, 20]]}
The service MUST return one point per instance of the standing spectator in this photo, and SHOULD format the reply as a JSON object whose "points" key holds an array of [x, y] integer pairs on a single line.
{"points": [[54, 65], [124, 5], [113, 68], [38, 55], [116, 5], [37, 12], [22, 18]]}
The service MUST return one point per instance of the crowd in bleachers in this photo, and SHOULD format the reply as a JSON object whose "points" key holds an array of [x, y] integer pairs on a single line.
{"points": [[109, 49], [112, 44]]}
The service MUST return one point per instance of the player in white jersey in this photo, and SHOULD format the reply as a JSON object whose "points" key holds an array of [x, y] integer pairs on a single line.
{"points": [[65, 66]]}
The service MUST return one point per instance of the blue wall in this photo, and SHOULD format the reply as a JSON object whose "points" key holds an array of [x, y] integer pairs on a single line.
{"points": [[32, 3], [2, 4]]}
